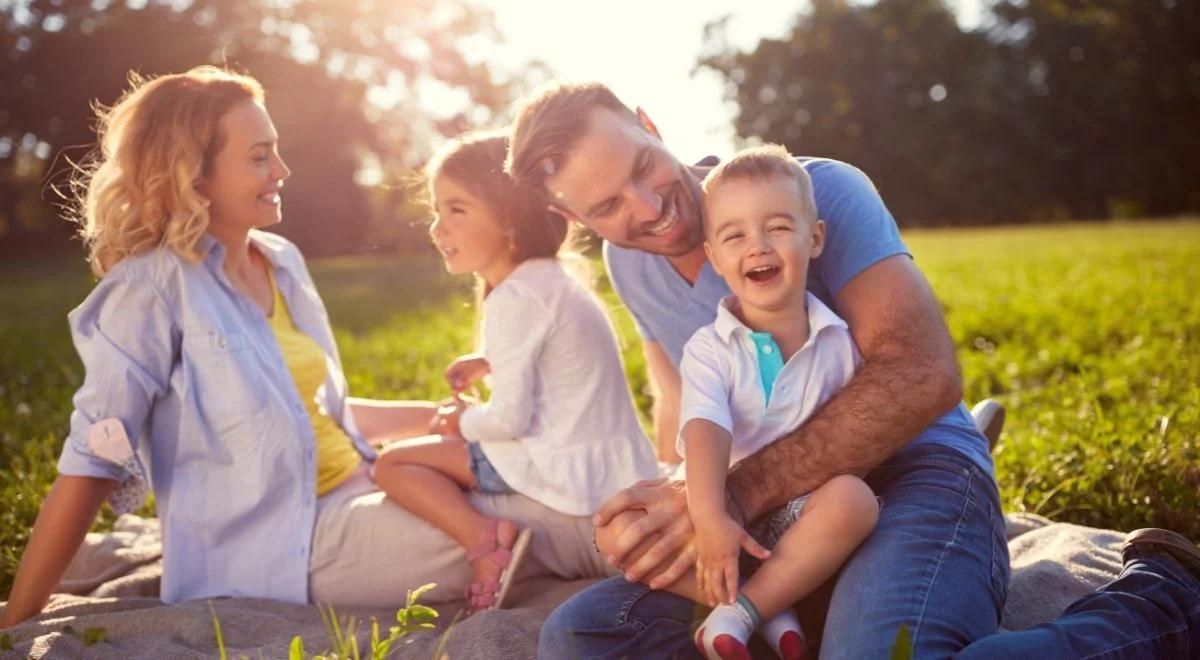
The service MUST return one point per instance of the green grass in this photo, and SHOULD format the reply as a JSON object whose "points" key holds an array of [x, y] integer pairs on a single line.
{"points": [[1088, 333]]}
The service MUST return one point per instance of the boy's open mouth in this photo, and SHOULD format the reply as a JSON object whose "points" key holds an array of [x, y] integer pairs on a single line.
{"points": [[762, 274]]}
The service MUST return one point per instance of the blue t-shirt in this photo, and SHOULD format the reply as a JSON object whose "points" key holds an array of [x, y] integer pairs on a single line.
{"points": [[859, 232]]}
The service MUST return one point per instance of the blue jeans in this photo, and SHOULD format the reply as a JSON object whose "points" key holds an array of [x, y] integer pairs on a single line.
{"points": [[936, 563]]}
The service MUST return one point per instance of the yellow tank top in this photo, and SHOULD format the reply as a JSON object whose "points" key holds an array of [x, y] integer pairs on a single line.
{"points": [[336, 456]]}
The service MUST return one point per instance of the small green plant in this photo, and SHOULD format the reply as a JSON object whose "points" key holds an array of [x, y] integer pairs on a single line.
{"points": [[343, 633], [217, 631]]}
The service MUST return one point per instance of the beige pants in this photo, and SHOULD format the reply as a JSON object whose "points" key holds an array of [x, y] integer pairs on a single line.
{"points": [[368, 551]]}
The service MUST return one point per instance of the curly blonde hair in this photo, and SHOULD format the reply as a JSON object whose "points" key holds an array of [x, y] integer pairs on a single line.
{"points": [[138, 191]]}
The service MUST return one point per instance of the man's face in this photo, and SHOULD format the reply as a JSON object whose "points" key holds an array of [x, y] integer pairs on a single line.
{"points": [[621, 183]]}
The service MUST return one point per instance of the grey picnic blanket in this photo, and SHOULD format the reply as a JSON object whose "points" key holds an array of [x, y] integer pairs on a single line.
{"points": [[113, 582]]}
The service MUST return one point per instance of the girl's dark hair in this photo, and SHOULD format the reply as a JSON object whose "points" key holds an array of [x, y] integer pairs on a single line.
{"points": [[476, 161]]}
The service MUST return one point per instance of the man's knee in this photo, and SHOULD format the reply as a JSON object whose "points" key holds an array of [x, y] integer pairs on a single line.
{"points": [[607, 535]]}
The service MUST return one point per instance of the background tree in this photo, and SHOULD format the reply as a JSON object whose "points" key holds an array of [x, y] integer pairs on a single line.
{"points": [[1050, 109], [345, 82]]}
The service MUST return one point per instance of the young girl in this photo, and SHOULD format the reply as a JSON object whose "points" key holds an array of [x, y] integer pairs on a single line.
{"points": [[560, 427]]}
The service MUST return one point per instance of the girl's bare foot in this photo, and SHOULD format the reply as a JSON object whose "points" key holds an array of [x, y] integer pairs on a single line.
{"points": [[484, 569]]}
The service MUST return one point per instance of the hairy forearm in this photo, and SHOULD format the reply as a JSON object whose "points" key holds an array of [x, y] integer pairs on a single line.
{"points": [[887, 403]]}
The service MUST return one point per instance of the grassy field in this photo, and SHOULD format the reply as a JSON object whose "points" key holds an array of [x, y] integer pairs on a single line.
{"points": [[1089, 333]]}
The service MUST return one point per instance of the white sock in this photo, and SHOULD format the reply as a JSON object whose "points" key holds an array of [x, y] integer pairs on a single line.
{"points": [[738, 620], [776, 632]]}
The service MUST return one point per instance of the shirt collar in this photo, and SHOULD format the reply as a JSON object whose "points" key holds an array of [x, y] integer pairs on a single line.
{"points": [[819, 318], [213, 252]]}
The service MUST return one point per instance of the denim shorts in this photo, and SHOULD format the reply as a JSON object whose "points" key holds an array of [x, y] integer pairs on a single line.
{"points": [[487, 479]]}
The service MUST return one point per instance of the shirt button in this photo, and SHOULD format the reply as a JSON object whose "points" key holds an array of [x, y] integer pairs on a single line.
{"points": [[767, 349], [221, 342]]}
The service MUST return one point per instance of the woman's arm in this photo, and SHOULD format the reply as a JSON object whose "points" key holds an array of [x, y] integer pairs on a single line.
{"points": [[381, 421], [65, 517]]}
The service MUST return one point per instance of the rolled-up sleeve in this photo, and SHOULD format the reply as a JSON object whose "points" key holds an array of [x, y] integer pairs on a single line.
{"points": [[514, 328], [705, 386], [124, 334]]}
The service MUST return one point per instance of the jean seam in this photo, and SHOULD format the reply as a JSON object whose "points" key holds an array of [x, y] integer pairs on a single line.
{"points": [[1114, 652], [942, 559], [623, 617]]}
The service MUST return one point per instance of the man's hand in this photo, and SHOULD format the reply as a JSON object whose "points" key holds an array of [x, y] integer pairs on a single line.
{"points": [[672, 552]]}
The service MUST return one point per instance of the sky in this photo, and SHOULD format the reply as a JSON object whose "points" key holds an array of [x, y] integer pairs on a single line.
{"points": [[645, 51]]}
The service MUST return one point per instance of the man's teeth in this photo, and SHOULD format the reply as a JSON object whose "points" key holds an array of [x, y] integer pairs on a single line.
{"points": [[272, 198], [667, 221]]}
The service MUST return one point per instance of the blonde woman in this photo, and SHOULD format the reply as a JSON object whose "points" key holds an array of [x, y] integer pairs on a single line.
{"points": [[212, 376]]}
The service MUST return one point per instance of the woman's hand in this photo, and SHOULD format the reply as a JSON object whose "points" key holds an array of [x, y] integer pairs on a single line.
{"points": [[465, 370]]}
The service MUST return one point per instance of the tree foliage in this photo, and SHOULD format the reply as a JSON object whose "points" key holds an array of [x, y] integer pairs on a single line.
{"points": [[1061, 108], [345, 82]]}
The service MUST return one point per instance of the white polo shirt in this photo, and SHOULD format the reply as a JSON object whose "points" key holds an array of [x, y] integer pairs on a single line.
{"points": [[723, 382]]}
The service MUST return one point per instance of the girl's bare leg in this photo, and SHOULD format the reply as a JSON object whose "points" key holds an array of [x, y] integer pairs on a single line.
{"points": [[428, 476]]}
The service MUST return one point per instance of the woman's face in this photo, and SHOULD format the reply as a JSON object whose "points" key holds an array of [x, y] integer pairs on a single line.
{"points": [[466, 232], [243, 182]]}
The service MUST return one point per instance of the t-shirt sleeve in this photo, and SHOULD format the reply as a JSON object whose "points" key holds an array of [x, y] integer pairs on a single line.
{"points": [[619, 274], [705, 387], [859, 229]]}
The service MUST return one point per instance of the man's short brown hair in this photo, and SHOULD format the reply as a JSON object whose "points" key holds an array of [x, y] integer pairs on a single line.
{"points": [[549, 123], [761, 163]]}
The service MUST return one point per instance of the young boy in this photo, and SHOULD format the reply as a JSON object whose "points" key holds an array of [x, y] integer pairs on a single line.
{"points": [[774, 355]]}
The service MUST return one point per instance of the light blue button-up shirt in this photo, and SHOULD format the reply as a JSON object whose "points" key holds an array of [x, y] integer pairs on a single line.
{"points": [[190, 367]]}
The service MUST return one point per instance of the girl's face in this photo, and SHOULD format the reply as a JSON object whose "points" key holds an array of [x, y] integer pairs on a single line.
{"points": [[244, 179], [467, 233]]}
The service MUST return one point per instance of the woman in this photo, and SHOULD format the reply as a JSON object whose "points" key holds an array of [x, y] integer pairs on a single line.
{"points": [[199, 345]]}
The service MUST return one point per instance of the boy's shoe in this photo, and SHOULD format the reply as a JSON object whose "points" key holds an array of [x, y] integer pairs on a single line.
{"points": [[989, 419], [1153, 539]]}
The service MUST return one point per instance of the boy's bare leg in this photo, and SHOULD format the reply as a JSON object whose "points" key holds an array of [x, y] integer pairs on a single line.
{"points": [[836, 519]]}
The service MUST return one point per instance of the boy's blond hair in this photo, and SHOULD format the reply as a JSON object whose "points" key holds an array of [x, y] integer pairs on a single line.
{"points": [[761, 163]]}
